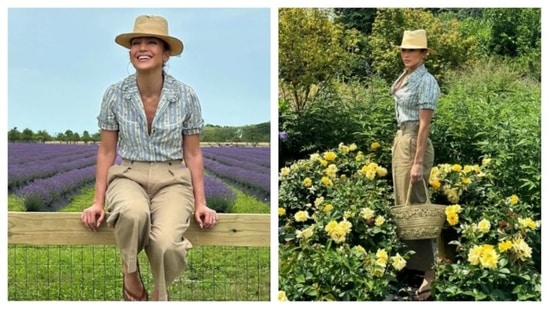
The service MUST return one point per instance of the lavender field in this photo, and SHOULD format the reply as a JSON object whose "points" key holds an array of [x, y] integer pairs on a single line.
{"points": [[46, 176]]}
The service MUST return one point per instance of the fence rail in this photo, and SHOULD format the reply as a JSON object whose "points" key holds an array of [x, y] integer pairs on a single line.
{"points": [[65, 228]]}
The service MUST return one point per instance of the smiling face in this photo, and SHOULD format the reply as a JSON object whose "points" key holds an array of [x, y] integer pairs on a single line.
{"points": [[412, 58], [148, 53]]}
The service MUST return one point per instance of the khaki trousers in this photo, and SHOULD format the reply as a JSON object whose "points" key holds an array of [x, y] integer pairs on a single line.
{"points": [[150, 205], [403, 151]]}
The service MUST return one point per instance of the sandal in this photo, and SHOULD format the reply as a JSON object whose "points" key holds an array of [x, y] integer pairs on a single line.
{"points": [[129, 296], [424, 295]]}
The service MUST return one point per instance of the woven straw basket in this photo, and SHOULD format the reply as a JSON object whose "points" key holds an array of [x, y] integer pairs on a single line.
{"points": [[419, 221]]}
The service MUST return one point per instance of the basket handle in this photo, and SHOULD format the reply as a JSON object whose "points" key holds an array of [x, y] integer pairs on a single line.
{"points": [[428, 198]]}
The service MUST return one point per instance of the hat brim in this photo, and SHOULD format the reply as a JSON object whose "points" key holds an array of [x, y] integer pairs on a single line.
{"points": [[412, 47], [125, 39]]}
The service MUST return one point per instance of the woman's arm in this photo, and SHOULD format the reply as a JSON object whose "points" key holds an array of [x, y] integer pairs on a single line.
{"points": [[106, 155], [425, 116], [192, 154]]}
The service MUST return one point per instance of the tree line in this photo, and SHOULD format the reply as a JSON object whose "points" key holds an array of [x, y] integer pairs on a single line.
{"points": [[255, 133]]}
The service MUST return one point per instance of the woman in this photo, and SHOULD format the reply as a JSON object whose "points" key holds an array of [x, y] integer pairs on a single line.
{"points": [[416, 93], [154, 121]]}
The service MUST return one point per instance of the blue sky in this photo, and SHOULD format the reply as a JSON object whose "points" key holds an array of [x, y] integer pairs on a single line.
{"points": [[60, 60]]}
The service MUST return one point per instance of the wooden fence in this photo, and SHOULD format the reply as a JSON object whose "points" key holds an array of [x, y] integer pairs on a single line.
{"points": [[65, 228], [34, 273]]}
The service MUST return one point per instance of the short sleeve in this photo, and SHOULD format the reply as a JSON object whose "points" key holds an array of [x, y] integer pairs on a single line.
{"points": [[106, 120], [194, 123], [429, 93]]}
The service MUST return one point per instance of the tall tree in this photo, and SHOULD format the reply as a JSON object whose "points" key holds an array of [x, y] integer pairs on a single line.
{"points": [[313, 51]]}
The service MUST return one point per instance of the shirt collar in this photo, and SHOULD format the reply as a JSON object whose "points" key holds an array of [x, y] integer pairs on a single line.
{"points": [[169, 88]]}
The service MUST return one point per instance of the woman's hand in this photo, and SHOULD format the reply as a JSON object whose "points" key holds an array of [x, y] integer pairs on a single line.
{"points": [[416, 174], [92, 217], [206, 217]]}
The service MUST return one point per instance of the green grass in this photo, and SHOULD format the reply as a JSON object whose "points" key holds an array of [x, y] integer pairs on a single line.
{"points": [[94, 273]]}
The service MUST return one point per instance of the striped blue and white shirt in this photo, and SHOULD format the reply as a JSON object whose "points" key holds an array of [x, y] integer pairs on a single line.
{"points": [[420, 91], [178, 113]]}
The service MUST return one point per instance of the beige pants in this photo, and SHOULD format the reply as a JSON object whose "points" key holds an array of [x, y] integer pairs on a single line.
{"points": [[404, 149], [150, 206]]}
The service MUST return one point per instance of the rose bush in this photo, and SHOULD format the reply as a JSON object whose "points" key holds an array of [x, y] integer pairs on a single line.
{"points": [[337, 239], [493, 238]]}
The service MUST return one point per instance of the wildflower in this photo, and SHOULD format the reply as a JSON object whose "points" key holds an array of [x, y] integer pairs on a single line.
{"points": [[452, 218], [283, 136], [505, 245], [484, 255], [452, 195], [521, 248], [338, 234], [379, 221], [398, 262], [489, 258], [381, 171], [527, 223], [329, 156], [331, 170], [281, 211], [306, 233], [367, 213], [314, 157], [307, 182], [331, 226], [346, 226], [484, 226], [284, 171], [456, 208], [318, 201], [474, 254], [327, 181], [301, 216], [382, 256], [468, 168], [435, 184], [343, 148], [327, 207]]}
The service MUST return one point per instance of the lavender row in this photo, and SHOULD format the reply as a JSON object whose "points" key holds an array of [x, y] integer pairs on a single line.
{"points": [[256, 184], [45, 194], [23, 153], [257, 155], [19, 175], [240, 162], [41, 194]]}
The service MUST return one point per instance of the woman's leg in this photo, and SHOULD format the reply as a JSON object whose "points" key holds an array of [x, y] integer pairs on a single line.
{"points": [[128, 208], [171, 214]]}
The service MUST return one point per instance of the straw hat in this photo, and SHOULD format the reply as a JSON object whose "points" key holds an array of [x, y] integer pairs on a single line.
{"points": [[151, 26], [416, 39]]}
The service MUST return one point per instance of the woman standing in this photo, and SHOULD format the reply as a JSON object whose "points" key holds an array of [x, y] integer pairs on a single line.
{"points": [[416, 93], [154, 122]]}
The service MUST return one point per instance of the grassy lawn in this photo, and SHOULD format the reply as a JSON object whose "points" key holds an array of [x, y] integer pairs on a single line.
{"points": [[93, 272]]}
